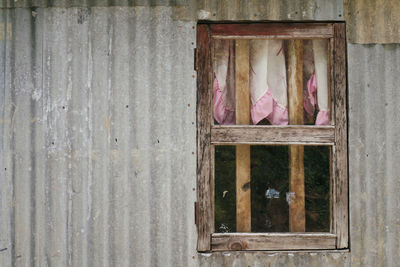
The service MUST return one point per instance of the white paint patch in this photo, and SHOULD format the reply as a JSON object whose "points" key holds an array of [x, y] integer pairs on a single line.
{"points": [[203, 14], [290, 196], [36, 95]]}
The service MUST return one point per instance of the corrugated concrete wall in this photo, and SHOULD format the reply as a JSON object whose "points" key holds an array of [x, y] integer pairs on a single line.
{"points": [[98, 142]]}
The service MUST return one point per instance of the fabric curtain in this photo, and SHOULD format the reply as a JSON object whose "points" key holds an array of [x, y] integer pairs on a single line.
{"points": [[268, 81]]}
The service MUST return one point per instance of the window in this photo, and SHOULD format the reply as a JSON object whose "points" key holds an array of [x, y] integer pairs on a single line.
{"points": [[271, 137]]}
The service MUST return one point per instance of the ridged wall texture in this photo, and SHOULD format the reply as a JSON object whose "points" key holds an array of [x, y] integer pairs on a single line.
{"points": [[373, 21], [212, 9], [368, 21], [98, 138], [98, 142], [374, 152]]}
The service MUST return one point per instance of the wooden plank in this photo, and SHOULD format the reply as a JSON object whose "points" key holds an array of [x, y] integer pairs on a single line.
{"points": [[297, 217], [331, 102], [212, 187], [243, 202], [332, 180], [272, 30], [272, 134], [295, 82], [273, 241], [204, 196], [242, 95], [341, 168], [297, 214]]}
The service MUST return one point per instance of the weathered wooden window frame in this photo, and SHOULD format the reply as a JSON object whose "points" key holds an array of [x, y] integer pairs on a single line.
{"points": [[209, 135]]}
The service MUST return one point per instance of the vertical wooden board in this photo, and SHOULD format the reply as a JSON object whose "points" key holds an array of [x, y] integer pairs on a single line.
{"points": [[295, 82], [243, 200], [243, 197], [341, 168], [331, 82], [297, 214], [297, 219], [331, 102], [242, 70], [331, 85], [204, 196], [212, 187]]}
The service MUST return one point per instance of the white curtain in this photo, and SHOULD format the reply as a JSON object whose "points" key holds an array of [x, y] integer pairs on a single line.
{"points": [[268, 81]]}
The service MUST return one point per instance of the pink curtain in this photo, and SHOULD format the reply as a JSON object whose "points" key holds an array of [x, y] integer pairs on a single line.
{"points": [[268, 87]]}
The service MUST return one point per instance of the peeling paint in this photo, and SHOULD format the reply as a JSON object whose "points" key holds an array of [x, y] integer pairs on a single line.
{"points": [[290, 196]]}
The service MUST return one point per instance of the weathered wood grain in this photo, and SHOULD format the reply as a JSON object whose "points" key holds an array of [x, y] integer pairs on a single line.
{"points": [[295, 82], [340, 168], [272, 134], [205, 218], [272, 30], [242, 96], [273, 241], [331, 82], [297, 214]]}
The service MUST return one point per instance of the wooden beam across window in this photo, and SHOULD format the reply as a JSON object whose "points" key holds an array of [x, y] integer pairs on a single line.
{"points": [[297, 214], [272, 241], [272, 31], [242, 96], [291, 134]]}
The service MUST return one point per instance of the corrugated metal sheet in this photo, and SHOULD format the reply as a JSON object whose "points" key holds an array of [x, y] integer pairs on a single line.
{"points": [[193, 10], [374, 145], [368, 21], [98, 139], [89, 3], [372, 21], [270, 10], [260, 259]]}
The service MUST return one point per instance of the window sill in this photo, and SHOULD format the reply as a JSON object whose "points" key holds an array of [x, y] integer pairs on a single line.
{"points": [[312, 252], [272, 241]]}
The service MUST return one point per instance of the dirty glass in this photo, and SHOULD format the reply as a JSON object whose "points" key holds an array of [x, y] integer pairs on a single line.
{"points": [[251, 82], [270, 188], [225, 189]]}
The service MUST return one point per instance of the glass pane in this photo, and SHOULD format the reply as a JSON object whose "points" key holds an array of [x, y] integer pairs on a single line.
{"points": [[317, 181], [252, 85], [269, 184], [224, 186], [270, 188]]}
